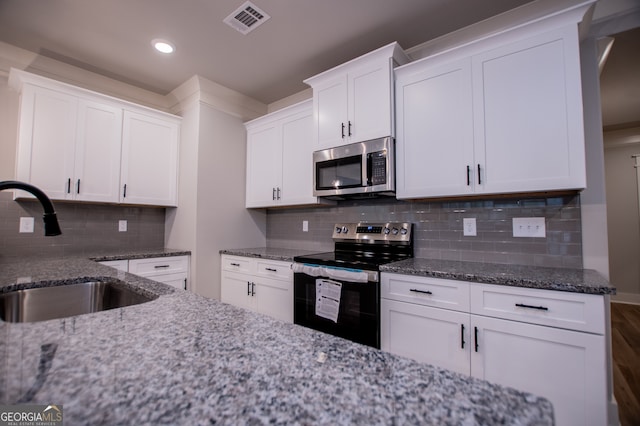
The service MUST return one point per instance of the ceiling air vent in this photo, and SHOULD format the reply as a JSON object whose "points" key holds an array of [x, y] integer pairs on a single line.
{"points": [[246, 18]]}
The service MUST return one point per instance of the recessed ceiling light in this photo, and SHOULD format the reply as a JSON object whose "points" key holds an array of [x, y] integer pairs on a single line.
{"points": [[163, 46]]}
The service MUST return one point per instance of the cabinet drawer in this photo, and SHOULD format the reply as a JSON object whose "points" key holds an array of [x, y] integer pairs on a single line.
{"points": [[573, 311], [275, 269], [441, 293], [159, 265], [238, 264]]}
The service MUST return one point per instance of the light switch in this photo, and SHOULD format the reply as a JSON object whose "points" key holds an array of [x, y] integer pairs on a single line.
{"points": [[305, 226], [469, 227], [532, 227], [122, 225]]}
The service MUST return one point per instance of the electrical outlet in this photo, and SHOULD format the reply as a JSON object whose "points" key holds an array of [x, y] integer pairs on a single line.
{"points": [[122, 226], [26, 224], [532, 227], [469, 227], [305, 226]]}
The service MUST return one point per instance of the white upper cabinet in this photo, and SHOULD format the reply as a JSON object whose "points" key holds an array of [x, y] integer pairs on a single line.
{"points": [[434, 148], [149, 159], [47, 140], [505, 119], [528, 115], [279, 153], [79, 145], [354, 101], [69, 146], [97, 159]]}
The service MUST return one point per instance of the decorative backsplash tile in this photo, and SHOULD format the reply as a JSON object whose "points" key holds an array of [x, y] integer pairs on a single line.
{"points": [[85, 229], [438, 228]]}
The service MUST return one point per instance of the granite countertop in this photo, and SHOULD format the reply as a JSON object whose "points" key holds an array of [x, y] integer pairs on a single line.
{"points": [[562, 279], [137, 254], [285, 255], [185, 359]]}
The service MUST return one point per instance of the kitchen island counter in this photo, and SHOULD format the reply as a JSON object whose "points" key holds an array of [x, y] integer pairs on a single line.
{"points": [[185, 359]]}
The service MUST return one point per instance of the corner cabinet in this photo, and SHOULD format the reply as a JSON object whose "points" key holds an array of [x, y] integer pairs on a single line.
{"points": [[354, 102], [545, 342], [279, 154], [506, 119], [83, 146], [259, 285]]}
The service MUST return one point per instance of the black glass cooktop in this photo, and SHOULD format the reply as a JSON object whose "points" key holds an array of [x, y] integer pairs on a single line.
{"points": [[369, 260]]}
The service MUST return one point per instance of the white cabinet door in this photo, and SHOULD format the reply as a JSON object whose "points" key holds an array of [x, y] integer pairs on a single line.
{"points": [[279, 158], [297, 152], [370, 102], [436, 336], [149, 159], [566, 367], [330, 111], [97, 156], [354, 102], [528, 115], [235, 289], [264, 165], [274, 298], [435, 131], [47, 140]]}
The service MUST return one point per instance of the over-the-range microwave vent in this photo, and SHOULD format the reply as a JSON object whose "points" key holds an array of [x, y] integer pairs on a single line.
{"points": [[246, 18]]}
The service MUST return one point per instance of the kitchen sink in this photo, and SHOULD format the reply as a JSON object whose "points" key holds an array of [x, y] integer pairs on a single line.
{"points": [[45, 303]]}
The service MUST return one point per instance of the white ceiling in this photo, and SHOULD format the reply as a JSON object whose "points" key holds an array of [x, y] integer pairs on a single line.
{"points": [[302, 38]]}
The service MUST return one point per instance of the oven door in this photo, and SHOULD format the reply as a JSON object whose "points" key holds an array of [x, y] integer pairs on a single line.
{"points": [[326, 300]]}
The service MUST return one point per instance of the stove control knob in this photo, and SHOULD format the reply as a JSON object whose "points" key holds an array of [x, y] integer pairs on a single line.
{"points": [[386, 230], [345, 229], [338, 230], [404, 231], [394, 231]]}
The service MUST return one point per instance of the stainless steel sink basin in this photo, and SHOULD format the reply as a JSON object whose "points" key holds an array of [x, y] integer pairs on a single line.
{"points": [[45, 303]]}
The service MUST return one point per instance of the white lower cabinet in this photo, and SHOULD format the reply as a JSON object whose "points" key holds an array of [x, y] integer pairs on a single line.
{"points": [[263, 286], [545, 342], [171, 270]]}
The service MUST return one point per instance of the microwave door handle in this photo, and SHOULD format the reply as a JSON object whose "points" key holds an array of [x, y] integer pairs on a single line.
{"points": [[367, 169]]}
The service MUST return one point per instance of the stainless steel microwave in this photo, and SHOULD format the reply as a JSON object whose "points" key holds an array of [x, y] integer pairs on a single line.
{"points": [[363, 168]]}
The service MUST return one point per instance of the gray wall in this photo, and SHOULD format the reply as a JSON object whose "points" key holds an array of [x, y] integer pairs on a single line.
{"points": [[438, 228], [85, 229]]}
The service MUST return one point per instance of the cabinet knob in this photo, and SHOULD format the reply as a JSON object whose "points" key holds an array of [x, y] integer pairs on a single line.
{"points": [[342, 124]]}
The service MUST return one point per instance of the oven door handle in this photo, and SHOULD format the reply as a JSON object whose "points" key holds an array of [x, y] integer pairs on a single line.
{"points": [[344, 274]]}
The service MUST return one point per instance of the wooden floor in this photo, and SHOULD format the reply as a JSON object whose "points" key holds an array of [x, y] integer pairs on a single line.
{"points": [[625, 342]]}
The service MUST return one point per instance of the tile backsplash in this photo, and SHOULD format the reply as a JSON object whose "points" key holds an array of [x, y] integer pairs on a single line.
{"points": [[438, 230], [85, 229]]}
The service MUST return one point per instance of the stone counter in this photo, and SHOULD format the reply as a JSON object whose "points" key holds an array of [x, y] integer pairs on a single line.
{"points": [[284, 255], [185, 359], [561, 279]]}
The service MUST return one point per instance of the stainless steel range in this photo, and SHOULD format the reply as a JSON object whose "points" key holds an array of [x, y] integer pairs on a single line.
{"points": [[338, 292]]}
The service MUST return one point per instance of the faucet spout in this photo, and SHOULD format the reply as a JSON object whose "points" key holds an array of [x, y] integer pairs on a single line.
{"points": [[51, 226]]}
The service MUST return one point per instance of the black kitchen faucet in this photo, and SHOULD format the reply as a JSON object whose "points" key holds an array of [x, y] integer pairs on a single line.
{"points": [[51, 226]]}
